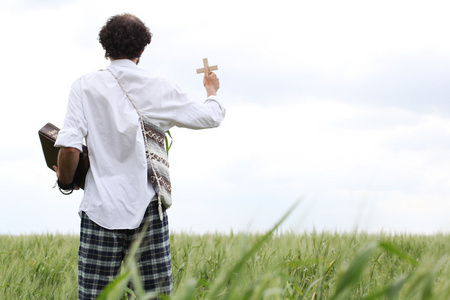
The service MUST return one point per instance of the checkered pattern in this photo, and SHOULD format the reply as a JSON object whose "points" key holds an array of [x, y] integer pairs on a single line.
{"points": [[102, 251]]}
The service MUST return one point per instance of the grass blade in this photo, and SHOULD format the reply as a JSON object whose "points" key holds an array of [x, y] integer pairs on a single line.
{"points": [[116, 288], [220, 283], [351, 276], [393, 249]]}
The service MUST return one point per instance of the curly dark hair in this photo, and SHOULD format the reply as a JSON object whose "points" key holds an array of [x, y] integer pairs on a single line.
{"points": [[124, 36]]}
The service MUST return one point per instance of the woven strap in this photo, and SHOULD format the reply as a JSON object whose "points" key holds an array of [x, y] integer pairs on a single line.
{"points": [[146, 144]]}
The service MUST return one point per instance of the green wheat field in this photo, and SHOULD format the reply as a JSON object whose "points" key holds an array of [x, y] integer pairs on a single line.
{"points": [[247, 266]]}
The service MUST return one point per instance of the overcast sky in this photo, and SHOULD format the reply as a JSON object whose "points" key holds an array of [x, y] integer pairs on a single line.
{"points": [[343, 104]]}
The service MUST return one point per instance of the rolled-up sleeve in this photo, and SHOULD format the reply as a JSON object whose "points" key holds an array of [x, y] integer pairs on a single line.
{"points": [[75, 125], [217, 109]]}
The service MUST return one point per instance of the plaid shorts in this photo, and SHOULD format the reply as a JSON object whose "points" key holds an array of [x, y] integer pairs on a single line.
{"points": [[102, 251]]}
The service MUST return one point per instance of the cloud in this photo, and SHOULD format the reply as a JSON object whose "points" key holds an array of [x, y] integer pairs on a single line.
{"points": [[417, 83], [271, 155], [431, 135], [24, 6]]}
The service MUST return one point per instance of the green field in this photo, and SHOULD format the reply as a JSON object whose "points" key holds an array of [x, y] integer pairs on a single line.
{"points": [[249, 266]]}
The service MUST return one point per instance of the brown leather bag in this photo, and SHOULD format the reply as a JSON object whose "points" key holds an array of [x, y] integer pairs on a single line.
{"points": [[48, 135]]}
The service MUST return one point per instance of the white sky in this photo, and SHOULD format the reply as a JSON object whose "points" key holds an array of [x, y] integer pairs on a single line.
{"points": [[343, 104]]}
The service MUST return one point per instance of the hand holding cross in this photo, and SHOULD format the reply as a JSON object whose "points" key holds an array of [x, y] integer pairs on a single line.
{"points": [[210, 80]]}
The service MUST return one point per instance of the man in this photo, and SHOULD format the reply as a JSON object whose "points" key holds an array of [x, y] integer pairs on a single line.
{"points": [[119, 198]]}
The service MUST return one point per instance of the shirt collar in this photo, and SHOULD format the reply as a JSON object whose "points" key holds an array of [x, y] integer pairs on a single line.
{"points": [[123, 63]]}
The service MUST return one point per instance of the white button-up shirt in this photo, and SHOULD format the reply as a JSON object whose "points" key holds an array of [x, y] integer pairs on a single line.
{"points": [[117, 191]]}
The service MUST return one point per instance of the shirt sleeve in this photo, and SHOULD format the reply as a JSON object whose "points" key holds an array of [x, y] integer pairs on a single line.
{"points": [[194, 114], [75, 124]]}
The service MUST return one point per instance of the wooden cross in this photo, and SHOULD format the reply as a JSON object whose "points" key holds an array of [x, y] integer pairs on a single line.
{"points": [[205, 65]]}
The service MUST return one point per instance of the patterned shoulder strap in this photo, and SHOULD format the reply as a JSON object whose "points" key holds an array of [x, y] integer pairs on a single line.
{"points": [[145, 141]]}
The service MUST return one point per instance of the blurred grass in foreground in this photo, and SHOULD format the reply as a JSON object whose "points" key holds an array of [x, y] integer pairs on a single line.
{"points": [[247, 266]]}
